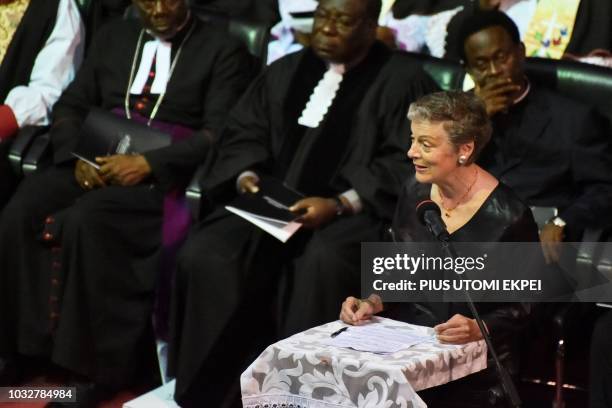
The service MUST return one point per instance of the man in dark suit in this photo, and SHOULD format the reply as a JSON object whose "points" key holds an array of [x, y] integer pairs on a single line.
{"points": [[551, 150]]}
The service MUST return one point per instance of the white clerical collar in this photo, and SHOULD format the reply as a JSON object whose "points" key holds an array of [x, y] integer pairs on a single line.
{"points": [[524, 94], [160, 51], [322, 96]]}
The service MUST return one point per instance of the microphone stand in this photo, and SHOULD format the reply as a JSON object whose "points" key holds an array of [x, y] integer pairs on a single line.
{"points": [[506, 382]]}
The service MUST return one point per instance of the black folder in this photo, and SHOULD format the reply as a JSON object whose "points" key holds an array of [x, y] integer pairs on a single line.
{"points": [[104, 134], [269, 208]]}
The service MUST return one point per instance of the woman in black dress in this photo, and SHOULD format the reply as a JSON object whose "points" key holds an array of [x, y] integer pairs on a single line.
{"points": [[449, 130]]}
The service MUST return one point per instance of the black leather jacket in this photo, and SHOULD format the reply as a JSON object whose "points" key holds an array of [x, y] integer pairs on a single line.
{"points": [[503, 217]]}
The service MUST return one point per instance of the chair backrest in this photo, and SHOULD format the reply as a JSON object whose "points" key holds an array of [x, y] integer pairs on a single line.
{"points": [[586, 83], [448, 74], [254, 35], [84, 7]]}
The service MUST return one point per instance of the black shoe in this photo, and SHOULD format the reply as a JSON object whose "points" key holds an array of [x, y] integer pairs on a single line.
{"points": [[10, 374]]}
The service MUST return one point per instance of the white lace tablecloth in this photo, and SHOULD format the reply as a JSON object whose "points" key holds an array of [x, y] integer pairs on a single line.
{"points": [[302, 372]]}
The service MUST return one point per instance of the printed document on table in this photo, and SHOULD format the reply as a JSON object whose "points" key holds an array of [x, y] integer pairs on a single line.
{"points": [[377, 338]]}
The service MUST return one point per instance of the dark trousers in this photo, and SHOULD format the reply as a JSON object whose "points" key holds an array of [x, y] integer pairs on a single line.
{"points": [[85, 294], [228, 279], [600, 395]]}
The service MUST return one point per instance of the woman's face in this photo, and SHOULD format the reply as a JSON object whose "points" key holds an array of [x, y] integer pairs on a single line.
{"points": [[431, 152]]}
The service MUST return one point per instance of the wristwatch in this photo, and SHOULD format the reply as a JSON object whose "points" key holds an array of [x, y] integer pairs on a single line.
{"points": [[558, 221], [340, 207]]}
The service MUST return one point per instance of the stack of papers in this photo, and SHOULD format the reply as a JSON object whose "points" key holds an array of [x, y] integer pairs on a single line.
{"points": [[377, 338], [269, 208]]}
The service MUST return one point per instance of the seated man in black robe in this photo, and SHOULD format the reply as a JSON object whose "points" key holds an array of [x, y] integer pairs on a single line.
{"points": [[79, 285], [347, 158], [553, 151]]}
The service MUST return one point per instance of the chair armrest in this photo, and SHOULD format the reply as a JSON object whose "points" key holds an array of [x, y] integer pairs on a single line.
{"points": [[193, 192], [605, 262], [20, 145], [34, 158], [588, 251]]}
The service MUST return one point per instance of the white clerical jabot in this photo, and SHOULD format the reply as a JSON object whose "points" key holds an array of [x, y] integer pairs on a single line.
{"points": [[160, 51], [322, 97]]}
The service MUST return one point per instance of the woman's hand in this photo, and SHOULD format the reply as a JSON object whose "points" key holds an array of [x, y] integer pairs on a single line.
{"points": [[358, 311], [458, 330]]}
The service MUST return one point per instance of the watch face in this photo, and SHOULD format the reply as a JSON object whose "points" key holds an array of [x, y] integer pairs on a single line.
{"points": [[558, 221]]}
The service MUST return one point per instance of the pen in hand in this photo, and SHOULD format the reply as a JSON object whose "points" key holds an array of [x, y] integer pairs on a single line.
{"points": [[337, 332]]}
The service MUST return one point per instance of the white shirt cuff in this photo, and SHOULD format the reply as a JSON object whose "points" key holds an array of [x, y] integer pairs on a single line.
{"points": [[353, 198], [244, 174]]}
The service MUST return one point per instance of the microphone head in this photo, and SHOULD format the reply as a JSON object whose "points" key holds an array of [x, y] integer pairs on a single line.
{"points": [[425, 206]]}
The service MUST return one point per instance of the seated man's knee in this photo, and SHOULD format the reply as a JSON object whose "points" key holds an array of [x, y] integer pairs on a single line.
{"points": [[328, 251], [23, 207], [80, 215], [189, 259]]}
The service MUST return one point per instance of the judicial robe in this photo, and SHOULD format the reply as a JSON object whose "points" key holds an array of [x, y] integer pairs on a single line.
{"points": [[228, 268], [82, 289]]}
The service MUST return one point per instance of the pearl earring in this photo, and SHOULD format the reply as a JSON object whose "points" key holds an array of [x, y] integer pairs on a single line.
{"points": [[462, 160]]}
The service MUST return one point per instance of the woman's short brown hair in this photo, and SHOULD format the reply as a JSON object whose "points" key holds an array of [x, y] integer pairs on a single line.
{"points": [[464, 117]]}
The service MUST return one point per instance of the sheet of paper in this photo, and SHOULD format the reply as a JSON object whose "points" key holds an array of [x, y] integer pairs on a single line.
{"points": [[278, 229], [377, 338], [162, 397]]}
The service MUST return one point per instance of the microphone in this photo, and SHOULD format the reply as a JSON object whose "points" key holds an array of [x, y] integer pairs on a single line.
{"points": [[429, 215]]}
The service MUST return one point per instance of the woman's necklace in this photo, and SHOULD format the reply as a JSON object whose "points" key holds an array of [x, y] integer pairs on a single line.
{"points": [[160, 98], [447, 210]]}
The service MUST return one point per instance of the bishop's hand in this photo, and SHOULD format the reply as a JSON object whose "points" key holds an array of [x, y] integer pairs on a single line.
{"points": [[124, 169], [87, 176]]}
